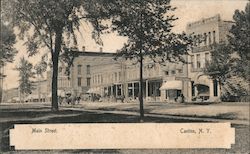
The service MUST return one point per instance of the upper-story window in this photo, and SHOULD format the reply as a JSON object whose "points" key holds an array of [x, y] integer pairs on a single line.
{"points": [[166, 72], [79, 81], [101, 79], [115, 76], [195, 40], [180, 71], [214, 37], [192, 61], [198, 58], [173, 72], [120, 74], [88, 69], [209, 38], [88, 82], [206, 58], [59, 69], [79, 69], [95, 79], [112, 77], [198, 39], [205, 38]]}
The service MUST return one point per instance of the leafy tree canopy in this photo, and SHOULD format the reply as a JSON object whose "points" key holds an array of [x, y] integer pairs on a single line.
{"points": [[240, 40], [148, 24], [41, 66], [52, 24], [49, 17], [8, 39], [26, 73], [222, 63]]}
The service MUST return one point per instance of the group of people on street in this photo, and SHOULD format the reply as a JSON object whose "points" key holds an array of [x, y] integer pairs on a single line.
{"points": [[69, 99]]}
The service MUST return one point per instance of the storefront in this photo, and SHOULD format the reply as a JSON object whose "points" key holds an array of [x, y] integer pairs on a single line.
{"points": [[172, 90]]}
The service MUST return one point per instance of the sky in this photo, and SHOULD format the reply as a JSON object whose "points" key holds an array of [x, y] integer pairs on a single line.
{"points": [[187, 11]]}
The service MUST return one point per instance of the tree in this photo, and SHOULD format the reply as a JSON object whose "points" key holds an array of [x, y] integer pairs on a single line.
{"points": [[53, 23], [240, 40], [8, 39], [147, 25], [40, 68], [25, 74], [7, 51], [220, 67], [232, 60]]}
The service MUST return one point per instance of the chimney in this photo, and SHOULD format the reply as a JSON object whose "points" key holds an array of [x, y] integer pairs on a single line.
{"points": [[101, 49], [83, 48]]}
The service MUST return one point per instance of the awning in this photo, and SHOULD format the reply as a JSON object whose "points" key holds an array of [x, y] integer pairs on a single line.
{"points": [[61, 93], [90, 90], [202, 80], [16, 98], [175, 84], [94, 91], [32, 96]]}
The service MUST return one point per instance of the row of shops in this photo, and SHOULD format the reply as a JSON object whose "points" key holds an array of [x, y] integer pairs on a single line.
{"points": [[159, 90]]}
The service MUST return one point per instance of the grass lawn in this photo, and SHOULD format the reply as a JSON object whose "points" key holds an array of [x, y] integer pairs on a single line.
{"points": [[35, 114]]}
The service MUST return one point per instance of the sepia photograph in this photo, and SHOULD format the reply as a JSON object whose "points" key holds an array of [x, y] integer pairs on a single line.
{"points": [[125, 76]]}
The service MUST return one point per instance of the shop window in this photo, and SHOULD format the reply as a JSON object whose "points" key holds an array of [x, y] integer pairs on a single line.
{"points": [[215, 88], [193, 88]]}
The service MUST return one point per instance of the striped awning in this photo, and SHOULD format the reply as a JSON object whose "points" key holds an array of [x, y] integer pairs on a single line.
{"points": [[175, 84]]}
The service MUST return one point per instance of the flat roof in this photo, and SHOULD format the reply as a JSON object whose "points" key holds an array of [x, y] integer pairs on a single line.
{"points": [[93, 53]]}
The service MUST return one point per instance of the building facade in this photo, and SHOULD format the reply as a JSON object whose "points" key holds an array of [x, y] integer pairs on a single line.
{"points": [[39, 93], [214, 31], [99, 74], [84, 74]]}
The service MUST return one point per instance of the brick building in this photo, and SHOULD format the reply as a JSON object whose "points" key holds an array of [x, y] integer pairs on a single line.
{"points": [[98, 73], [83, 73], [213, 30]]}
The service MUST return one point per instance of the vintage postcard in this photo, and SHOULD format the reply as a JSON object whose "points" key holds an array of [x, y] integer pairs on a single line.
{"points": [[124, 76]]}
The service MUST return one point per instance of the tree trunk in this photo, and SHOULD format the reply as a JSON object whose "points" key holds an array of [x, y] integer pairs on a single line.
{"points": [[141, 75], [55, 57], [141, 89]]}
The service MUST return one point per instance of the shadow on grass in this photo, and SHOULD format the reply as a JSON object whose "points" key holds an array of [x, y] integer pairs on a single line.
{"points": [[45, 116], [225, 116]]}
